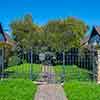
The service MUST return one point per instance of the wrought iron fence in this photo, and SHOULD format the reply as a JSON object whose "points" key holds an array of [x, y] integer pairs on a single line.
{"points": [[27, 65]]}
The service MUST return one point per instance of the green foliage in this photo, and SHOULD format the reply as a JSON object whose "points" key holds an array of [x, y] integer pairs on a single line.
{"points": [[14, 60], [56, 35], [62, 35], [17, 89], [25, 31], [82, 90]]}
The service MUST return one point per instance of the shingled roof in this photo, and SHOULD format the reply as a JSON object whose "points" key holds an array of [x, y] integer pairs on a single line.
{"points": [[7, 40], [95, 30], [2, 32], [98, 29], [85, 40]]}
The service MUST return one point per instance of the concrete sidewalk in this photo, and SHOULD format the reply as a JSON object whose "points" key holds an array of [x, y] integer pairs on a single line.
{"points": [[50, 92]]}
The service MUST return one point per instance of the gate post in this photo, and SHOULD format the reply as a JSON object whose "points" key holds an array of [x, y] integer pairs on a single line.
{"points": [[98, 66], [31, 58], [2, 63], [63, 72]]}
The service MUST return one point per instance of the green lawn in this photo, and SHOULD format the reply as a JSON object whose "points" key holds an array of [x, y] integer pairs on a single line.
{"points": [[17, 89], [82, 90], [72, 72], [23, 71], [75, 87]]}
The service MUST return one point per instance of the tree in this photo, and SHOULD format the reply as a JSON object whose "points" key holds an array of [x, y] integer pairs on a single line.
{"points": [[62, 35], [56, 35], [26, 32]]}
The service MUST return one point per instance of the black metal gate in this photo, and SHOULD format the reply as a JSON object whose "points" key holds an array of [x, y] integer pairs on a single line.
{"points": [[54, 68]]}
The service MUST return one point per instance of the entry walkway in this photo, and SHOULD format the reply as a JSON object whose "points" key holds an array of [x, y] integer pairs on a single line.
{"points": [[47, 74], [50, 92]]}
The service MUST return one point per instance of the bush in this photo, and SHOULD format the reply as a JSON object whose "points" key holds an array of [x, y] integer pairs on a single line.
{"points": [[14, 60]]}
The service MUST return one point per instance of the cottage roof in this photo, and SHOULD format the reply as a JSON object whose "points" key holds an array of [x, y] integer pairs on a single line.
{"points": [[85, 39], [2, 34], [95, 30], [98, 29], [5, 38]]}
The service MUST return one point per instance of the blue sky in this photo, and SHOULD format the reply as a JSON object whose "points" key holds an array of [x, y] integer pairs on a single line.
{"points": [[43, 10]]}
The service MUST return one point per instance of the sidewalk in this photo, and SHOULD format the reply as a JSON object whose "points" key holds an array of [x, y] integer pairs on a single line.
{"points": [[47, 74], [50, 92]]}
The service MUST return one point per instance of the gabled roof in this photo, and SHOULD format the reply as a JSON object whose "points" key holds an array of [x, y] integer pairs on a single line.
{"points": [[7, 40], [1, 32], [85, 40], [98, 29], [95, 30]]}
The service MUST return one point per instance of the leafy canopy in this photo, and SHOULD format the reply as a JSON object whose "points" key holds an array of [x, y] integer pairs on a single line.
{"points": [[57, 35]]}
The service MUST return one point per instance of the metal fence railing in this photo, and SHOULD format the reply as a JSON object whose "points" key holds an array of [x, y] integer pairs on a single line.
{"points": [[27, 65]]}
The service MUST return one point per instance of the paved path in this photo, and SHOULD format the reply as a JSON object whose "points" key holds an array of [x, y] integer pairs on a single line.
{"points": [[50, 92], [48, 74]]}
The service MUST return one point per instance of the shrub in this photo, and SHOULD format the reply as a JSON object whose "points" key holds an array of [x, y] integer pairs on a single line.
{"points": [[14, 60]]}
